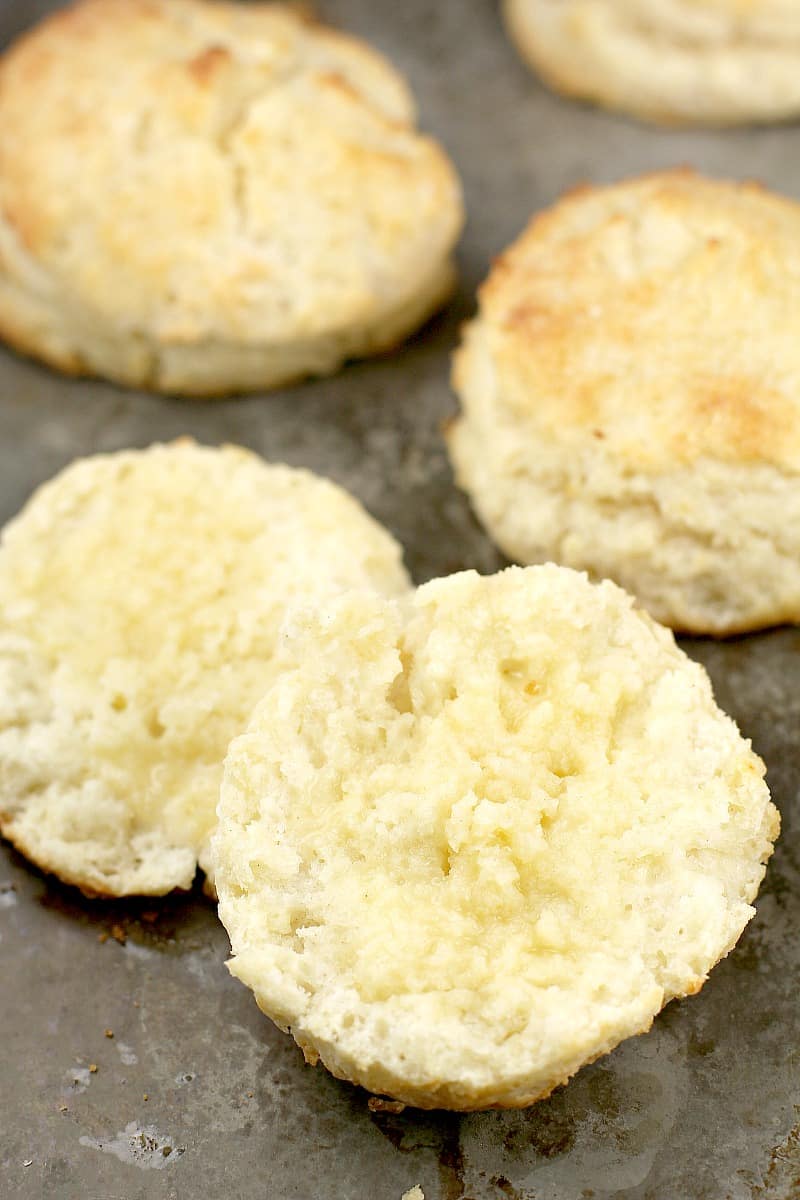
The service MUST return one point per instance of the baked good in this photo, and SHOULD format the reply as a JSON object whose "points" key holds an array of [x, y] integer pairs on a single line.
{"points": [[141, 597], [233, 197], [472, 840], [694, 62], [630, 397]]}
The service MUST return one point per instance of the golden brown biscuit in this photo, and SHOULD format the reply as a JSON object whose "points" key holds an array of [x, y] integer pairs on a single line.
{"points": [[232, 197], [630, 397], [695, 62]]}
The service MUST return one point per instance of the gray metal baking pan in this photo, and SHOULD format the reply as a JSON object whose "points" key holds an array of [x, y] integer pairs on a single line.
{"points": [[196, 1094]]}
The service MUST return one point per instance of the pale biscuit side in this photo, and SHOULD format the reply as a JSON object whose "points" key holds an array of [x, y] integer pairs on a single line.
{"points": [[630, 396]]}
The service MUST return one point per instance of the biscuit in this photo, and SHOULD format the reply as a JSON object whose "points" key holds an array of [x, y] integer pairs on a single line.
{"points": [[472, 840], [690, 62], [234, 197], [141, 596], [630, 397]]}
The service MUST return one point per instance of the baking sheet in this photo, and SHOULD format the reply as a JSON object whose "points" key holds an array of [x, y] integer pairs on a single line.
{"points": [[196, 1094]]}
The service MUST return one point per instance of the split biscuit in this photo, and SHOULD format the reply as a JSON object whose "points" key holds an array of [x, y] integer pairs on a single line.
{"points": [[202, 198], [473, 839], [141, 597], [630, 395], [691, 62]]}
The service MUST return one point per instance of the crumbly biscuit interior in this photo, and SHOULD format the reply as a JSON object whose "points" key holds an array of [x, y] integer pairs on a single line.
{"points": [[144, 596], [518, 808]]}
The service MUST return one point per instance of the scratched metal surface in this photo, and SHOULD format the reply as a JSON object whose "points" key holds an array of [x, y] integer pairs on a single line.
{"points": [[196, 1094]]}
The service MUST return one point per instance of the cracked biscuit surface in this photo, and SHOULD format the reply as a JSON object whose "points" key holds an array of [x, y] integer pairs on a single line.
{"points": [[704, 62], [141, 597], [630, 395], [473, 839], [232, 198]]}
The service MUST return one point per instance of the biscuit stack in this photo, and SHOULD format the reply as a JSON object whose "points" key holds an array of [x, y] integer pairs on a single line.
{"points": [[465, 838]]}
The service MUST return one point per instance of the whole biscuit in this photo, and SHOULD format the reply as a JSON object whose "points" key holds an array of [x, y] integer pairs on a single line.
{"points": [[141, 597], [705, 62], [630, 397], [203, 197], [472, 840]]}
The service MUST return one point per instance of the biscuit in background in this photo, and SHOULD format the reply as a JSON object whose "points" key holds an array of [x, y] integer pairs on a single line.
{"points": [[233, 197], [141, 597], [472, 840], [693, 62], [630, 397]]}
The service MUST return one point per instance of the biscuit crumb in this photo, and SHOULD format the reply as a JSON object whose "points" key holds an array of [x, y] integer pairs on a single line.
{"points": [[109, 1033], [378, 1104]]}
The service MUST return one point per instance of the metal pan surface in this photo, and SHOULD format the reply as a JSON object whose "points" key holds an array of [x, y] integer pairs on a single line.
{"points": [[196, 1094]]}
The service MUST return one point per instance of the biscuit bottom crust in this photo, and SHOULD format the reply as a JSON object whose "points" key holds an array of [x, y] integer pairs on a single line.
{"points": [[469, 844], [49, 328]]}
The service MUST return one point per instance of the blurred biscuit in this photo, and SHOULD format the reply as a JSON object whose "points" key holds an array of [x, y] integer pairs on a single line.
{"points": [[704, 62]]}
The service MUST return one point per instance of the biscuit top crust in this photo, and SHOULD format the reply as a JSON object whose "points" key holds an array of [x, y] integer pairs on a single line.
{"points": [[658, 317], [204, 170]]}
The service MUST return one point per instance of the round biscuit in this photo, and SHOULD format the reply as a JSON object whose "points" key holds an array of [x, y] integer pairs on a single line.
{"points": [[689, 62], [253, 202], [630, 395], [141, 598], [473, 839]]}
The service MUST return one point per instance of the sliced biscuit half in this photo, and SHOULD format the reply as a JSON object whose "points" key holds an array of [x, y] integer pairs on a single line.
{"points": [[472, 840], [141, 597]]}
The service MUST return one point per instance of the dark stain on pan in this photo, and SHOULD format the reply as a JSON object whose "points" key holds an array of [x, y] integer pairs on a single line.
{"points": [[451, 1158], [507, 1188], [547, 1129], [171, 924], [413, 1130], [782, 1177], [408, 1132]]}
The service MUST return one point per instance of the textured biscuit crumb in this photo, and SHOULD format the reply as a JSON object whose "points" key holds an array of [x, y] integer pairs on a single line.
{"points": [[141, 596], [472, 840]]}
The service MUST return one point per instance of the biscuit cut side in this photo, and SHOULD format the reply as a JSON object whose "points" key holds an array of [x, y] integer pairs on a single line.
{"points": [[687, 62], [473, 840], [630, 396], [255, 205], [141, 597]]}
